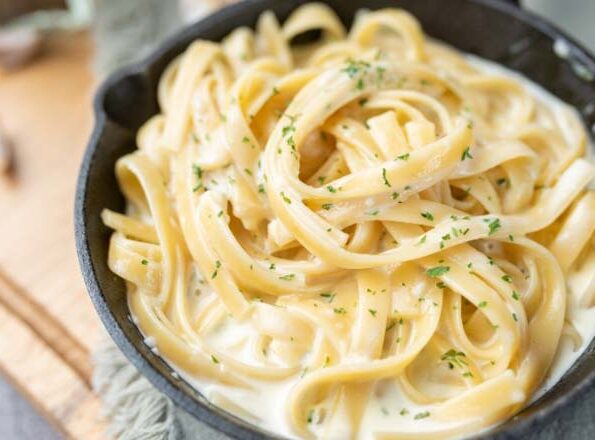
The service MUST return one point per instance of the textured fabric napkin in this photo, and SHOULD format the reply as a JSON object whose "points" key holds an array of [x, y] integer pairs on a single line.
{"points": [[126, 31]]}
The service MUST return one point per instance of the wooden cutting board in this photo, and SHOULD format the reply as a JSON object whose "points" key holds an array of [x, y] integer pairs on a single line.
{"points": [[48, 327]]}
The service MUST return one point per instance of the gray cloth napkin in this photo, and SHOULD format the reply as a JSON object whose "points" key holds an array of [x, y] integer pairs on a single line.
{"points": [[125, 31]]}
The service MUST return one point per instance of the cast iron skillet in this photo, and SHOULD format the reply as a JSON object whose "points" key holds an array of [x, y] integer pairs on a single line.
{"points": [[493, 29]]}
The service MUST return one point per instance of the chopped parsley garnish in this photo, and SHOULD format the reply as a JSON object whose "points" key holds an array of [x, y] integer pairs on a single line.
{"points": [[198, 173], [427, 215], [511, 237], [327, 206], [437, 271], [515, 295], [373, 212], [454, 358], [216, 271], [493, 225], [503, 182], [339, 310], [422, 240], [261, 189], [507, 278], [404, 412], [354, 67], [403, 157], [331, 188], [144, 262], [214, 359], [329, 296], [482, 304], [421, 415], [321, 179], [466, 154], [394, 195], [515, 317], [285, 198], [288, 277], [384, 178], [372, 312]]}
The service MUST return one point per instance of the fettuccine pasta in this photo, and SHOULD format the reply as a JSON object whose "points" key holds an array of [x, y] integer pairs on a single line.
{"points": [[366, 236]]}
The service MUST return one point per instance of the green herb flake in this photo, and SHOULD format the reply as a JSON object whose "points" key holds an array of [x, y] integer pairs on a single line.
{"points": [[503, 182], [372, 312], [216, 271], [327, 206], [482, 304], [144, 262], [466, 154], [427, 215], [288, 277], [507, 278], [384, 178], [437, 271], [454, 358], [421, 415], [403, 157], [493, 225], [285, 198], [214, 359], [328, 296], [340, 310]]}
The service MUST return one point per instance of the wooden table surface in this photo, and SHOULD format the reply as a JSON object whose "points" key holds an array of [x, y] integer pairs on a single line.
{"points": [[48, 327]]}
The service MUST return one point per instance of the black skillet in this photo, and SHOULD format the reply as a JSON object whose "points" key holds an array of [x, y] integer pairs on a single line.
{"points": [[493, 29]]}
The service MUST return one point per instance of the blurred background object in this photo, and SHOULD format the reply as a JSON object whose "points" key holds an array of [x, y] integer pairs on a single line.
{"points": [[24, 22]]}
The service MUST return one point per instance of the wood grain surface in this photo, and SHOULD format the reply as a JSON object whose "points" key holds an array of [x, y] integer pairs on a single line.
{"points": [[48, 327]]}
